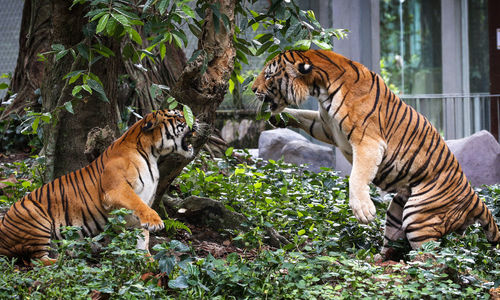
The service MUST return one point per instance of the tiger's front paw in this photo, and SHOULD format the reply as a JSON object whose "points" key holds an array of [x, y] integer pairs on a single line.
{"points": [[150, 220], [364, 211]]}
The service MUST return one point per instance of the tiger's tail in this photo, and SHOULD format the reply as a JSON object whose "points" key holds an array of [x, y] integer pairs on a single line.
{"points": [[485, 218]]}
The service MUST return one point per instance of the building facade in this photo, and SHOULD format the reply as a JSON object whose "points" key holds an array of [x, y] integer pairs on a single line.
{"points": [[442, 57]]}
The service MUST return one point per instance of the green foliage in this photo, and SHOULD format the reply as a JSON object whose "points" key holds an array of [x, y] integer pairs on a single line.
{"points": [[28, 175], [117, 275], [330, 254], [303, 205]]}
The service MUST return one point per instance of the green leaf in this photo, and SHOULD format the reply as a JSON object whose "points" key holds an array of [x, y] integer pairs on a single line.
{"points": [[162, 6], [188, 11], [177, 40], [147, 5], [173, 105], [58, 47], [134, 35], [302, 45], [163, 50], [231, 85], [111, 26], [3, 86], [225, 20], [188, 116], [229, 151], [181, 35], [61, 54], [102, 23], [87, 88], [178, 283], [301, 232], [255, 26], [34, 126], [264, 47], [121, 19], [74, 78], [322, 44], [69, 107], [96, 15], [76, 90], [71, 74], [216, 21], [195, 30], [103, 50], [263, 37], [83, 50], [96, 86], [195, 55]]}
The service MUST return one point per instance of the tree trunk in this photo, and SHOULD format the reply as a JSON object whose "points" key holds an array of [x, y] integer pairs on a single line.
{"points": [[34, 38], [64, 140], [203, 92]]}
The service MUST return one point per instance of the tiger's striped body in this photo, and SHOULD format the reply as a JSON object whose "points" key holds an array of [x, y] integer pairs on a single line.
{"points": [[125, 175], [387, 142]]}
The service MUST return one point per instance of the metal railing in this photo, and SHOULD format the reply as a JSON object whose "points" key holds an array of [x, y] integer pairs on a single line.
{"points": [[457, 116]]}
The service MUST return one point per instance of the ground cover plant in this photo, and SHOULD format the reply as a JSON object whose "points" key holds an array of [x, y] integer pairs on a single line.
{"points": [[328, 254]]}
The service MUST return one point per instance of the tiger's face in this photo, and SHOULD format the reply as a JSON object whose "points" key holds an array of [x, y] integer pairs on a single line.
{"points": [[284, 81], [169, 132]]}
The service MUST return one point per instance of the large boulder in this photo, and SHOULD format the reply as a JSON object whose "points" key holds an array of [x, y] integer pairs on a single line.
{"points": [[294, 148], [479, 156], [304, 152], [271, 142]]}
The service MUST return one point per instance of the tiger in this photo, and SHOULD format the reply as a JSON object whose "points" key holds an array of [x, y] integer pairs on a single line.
{"points": [[387, 142], [125, 175]]}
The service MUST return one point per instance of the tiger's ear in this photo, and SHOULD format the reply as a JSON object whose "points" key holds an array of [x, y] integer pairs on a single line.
{"points": [[149, 126], [304, 68], [298, 69]]}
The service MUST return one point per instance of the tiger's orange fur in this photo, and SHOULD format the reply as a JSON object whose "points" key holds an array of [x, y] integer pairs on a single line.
{"points": [[387, 142], [125, 175]]}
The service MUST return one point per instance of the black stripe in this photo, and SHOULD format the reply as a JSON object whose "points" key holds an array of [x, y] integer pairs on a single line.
{"points": [[375, 104], [355, 69]]}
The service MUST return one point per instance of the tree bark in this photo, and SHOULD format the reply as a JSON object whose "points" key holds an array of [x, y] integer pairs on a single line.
{"points": [[64, 140], [203, 92], [34, 38]]}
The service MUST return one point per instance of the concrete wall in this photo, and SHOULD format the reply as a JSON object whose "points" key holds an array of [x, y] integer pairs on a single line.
{"points": [[362, 19]]}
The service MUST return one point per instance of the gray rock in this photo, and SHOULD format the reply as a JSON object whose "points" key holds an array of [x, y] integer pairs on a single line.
{"points": [[304, 152], [271, 142], [254, 152], [342, 165], [294, 148], [479, 157]]}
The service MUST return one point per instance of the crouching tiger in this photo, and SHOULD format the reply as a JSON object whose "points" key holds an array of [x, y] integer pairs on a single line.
{"points": [[125, 175], [387, 142]]}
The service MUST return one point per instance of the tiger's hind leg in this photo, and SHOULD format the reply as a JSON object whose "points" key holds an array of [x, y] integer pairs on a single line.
{"points": [[26, 231], [422, 225], [393, 224]]}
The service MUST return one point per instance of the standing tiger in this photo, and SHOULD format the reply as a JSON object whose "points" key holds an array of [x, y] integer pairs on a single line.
{"points": [[125, 175], [386, 140]]}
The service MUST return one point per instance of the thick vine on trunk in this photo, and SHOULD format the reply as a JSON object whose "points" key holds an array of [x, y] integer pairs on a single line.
{"points": [[203, 92]]}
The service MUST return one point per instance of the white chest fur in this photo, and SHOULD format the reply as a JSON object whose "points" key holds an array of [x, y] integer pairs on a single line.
{"points": [[147, 181]]}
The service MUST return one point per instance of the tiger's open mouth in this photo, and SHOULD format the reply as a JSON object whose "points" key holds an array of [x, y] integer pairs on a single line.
{"points": [[266, 99], [186, 142]]}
